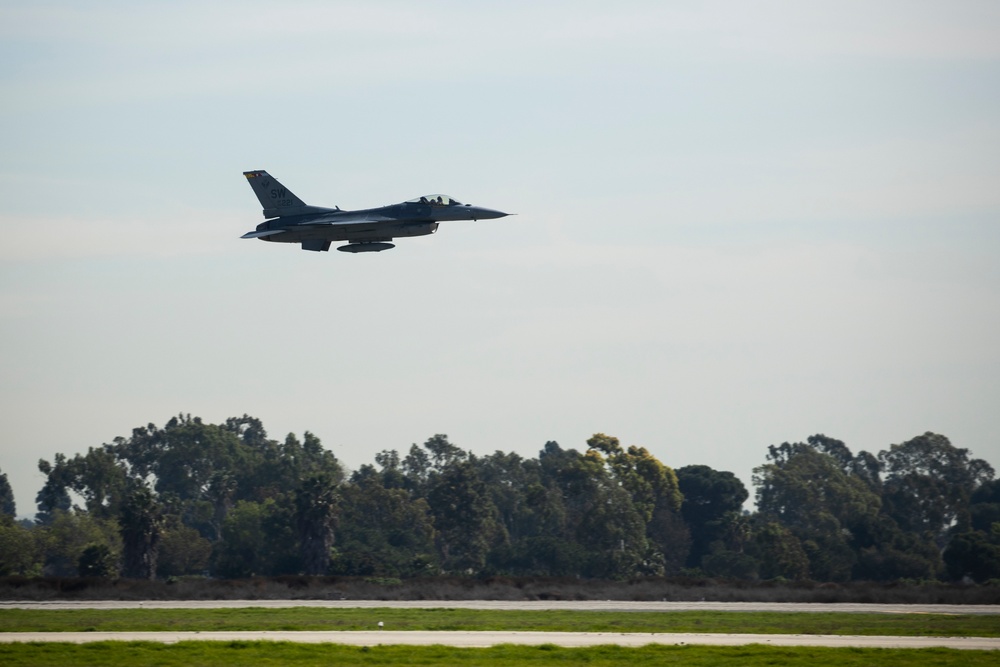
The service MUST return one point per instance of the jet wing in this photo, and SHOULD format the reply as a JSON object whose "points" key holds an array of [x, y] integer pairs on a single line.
{"points": [[347, 220]]}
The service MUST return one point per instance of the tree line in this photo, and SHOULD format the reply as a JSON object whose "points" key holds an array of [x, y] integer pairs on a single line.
{"points": [[192, 498]]}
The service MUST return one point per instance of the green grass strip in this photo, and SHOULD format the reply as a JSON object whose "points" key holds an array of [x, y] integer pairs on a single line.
{"points": [[318, 619], [187, 654]]}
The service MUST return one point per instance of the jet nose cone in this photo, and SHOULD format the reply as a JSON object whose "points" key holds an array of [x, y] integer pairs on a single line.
{"points": [[481, 213]]}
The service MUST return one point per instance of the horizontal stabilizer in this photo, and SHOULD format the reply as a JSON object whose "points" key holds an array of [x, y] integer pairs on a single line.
{"points": [[261, 234]]}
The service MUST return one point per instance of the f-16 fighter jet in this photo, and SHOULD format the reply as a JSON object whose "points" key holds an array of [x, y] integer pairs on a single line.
{"points": [[291, 220]]}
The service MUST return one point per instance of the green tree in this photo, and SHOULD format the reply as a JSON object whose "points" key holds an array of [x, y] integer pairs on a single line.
{"points": [[712, 500], [648, 481], [97, 560], [141, 521], [391, 474], [884, 551], [535, 538], [316, 513], [808, 492], [465, 519], [184, 455], [241, 551], [443, 453], [779, 552], [862, 465], [7, 505], [97, 476], [605, 534], [929, 483], [194, 473], [299, 460], [195, 463], [383, 532], [219, 498], [66, 536], [731, 564], [888, 553], [20, 551], [974, 554], [282, 551], [655, 495], [984, 506], [182, 550], [416, 468], [250, 432], [53, 496], [889, 562], [505, 479], [201, 470]]}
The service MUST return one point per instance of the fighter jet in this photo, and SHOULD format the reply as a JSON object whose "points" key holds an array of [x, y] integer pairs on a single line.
{"points": [[291, 220]]}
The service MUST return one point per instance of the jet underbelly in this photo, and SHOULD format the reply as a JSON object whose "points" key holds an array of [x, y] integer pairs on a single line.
{"points": [[354, 232]]}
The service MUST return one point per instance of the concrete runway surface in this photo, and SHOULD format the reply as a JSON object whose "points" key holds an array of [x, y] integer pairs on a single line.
{"points": [[491, 638], [510, 605], [474, 639]]}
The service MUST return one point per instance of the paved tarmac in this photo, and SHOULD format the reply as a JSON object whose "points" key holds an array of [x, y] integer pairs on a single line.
{"points": [[506, 605], [471, 639], [479, 639]]}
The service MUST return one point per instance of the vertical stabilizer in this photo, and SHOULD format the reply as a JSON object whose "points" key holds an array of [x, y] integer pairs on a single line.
{"points": [[276, 199]]}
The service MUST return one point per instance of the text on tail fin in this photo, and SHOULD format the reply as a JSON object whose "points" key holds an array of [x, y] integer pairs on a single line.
{"points": [[273, 196]]}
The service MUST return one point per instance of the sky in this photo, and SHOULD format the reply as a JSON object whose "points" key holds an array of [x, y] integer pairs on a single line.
{"points": [[738, 224]]}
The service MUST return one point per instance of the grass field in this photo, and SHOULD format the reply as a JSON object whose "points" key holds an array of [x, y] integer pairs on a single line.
{"points": [[318, 619], [189, 654]]}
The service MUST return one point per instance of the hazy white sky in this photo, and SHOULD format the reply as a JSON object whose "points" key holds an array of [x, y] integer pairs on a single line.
{"points": [[739, 223]]}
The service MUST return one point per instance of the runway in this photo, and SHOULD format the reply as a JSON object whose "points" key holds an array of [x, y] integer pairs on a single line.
{"points": [[492, 638], [518, 605]]}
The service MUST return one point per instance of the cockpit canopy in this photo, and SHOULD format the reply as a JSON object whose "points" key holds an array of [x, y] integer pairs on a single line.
{"points": [[437, 200]]}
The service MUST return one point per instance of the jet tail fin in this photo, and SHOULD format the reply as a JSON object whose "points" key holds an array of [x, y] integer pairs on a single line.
{"points": [[276, 199]]}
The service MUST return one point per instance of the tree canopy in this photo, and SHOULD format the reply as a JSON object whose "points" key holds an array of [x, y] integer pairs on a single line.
{"points": [[191, 497]]}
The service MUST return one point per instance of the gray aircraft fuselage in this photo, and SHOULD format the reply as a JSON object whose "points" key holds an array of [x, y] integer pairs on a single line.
{"points": [[367, 230]]}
